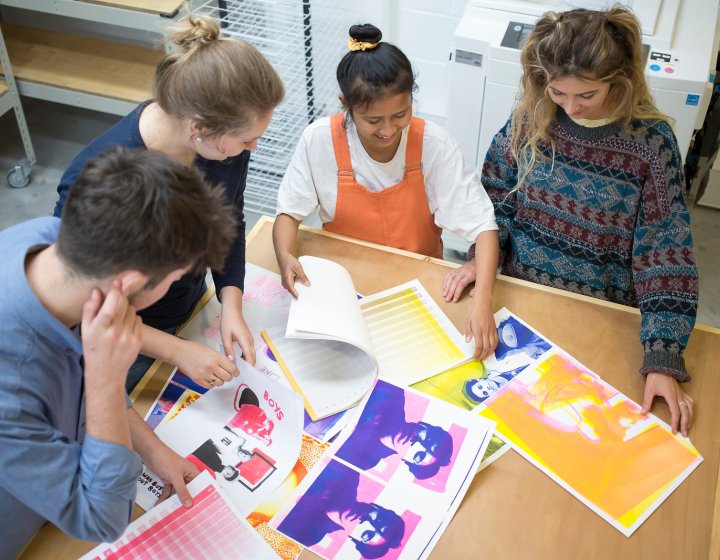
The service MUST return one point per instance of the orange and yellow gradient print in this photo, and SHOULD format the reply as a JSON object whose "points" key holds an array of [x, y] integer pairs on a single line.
{"points": [[582, 431]]}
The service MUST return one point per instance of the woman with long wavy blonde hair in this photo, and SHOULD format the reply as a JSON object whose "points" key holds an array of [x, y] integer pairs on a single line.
{"points": [[586, 180], [590, 46]]}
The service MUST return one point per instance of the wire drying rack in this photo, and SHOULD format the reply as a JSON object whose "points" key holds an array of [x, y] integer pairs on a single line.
{"points": [[304, 40]]}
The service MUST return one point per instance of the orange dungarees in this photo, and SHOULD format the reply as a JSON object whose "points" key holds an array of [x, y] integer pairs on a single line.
{"points": [[398, 216]]}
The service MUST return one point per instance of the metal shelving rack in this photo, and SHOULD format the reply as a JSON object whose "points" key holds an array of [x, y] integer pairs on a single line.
{"points": [[19, 175], [151, 17], [119, 14], [304, 40]]}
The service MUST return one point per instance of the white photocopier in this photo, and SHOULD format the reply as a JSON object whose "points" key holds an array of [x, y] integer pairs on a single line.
{"points": [[484, 74]]}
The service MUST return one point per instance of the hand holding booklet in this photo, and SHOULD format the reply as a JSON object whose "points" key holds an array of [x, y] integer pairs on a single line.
{"points": [[335, 344]]}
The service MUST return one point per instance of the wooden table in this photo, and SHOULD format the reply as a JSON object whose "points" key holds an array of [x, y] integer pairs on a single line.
{"points": [[513, 510]]}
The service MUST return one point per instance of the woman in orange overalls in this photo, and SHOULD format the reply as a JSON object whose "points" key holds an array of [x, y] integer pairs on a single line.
{"points": [[379, 174]]}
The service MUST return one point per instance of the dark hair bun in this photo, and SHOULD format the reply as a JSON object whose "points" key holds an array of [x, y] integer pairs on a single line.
{"points": [[366, 33]]}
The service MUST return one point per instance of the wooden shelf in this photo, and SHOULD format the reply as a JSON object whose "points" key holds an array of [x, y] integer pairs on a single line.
{"points": [[165, 8], [3, 87], [83, 64]]}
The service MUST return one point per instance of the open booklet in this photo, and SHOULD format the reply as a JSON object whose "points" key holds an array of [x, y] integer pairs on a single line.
{"points": [[336, 344]]}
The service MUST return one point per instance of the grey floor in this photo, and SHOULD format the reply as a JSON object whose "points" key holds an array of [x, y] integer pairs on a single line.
{"points": [[59, 132]]}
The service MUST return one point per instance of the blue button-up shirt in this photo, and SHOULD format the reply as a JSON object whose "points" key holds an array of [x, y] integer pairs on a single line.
{"points": [[49, 468]]}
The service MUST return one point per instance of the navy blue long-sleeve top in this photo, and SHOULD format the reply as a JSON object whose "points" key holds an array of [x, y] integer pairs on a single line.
{"points": [[175, 307]]}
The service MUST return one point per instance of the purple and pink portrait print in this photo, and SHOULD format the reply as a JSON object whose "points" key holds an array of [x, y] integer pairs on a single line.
{"points": [[341, 513], [394, 437]]}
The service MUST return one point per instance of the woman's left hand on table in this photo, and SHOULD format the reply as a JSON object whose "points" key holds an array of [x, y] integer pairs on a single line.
{"points": [[680, 403], [457, 280]]}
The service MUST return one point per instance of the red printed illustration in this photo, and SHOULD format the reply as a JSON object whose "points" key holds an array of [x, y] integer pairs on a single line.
{"points": [[228, 456], [250, 418]]}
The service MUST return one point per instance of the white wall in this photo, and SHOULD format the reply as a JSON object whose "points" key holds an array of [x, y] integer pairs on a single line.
{"points": [[425, 33], [423, 29]]}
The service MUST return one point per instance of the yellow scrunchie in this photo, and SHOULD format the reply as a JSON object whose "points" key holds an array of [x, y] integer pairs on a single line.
{"points": [[355, 45]]}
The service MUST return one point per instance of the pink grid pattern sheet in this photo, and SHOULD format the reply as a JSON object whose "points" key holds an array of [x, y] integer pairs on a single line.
{"points": [[210, 529]]}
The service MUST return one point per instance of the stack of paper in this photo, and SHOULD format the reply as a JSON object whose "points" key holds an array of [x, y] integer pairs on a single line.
{"points": [[562, 417]]}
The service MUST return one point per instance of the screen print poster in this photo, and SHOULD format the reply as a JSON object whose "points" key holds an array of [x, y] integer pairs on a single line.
{"points": [[469, 384], [591, 439], [245, 433], [390, 484]]}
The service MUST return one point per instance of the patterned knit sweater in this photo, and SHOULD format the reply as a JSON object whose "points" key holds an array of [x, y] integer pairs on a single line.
{"points": [[607, 219]]}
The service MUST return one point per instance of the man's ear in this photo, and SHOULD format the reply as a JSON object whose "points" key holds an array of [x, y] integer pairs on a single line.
{"points": [[344, 103], [132, 281]]}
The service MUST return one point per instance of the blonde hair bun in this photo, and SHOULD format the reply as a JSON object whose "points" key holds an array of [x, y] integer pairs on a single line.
{"points": [[221, 83], [193, 31]]}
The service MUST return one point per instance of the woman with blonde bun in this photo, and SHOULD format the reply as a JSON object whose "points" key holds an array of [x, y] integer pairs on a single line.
{"points": [[213, 99]]}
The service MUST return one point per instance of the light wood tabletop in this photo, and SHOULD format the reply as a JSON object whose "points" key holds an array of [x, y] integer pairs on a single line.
{"points": [[513, 510]]}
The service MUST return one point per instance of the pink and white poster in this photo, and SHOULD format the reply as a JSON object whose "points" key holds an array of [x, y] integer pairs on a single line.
{"points": [[246, 434]]}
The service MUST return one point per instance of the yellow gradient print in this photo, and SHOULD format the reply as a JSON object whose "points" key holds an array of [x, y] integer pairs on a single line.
{"points": [[579, 429], [407, 337]]}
